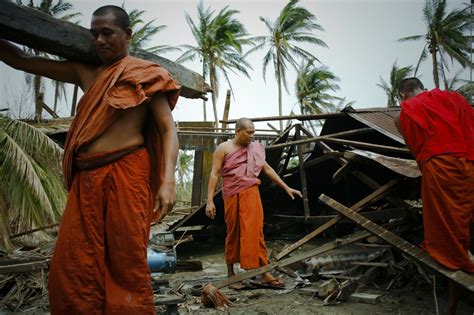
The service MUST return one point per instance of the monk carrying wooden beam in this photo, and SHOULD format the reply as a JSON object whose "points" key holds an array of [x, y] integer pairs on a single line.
{"points": [[119, 162], [438, 127], [239, 162]]}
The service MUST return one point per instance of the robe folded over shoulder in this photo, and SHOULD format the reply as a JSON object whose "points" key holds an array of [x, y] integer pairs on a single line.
{"points": [[243, 208], [99, 265], [438, 127], [127, 83]]}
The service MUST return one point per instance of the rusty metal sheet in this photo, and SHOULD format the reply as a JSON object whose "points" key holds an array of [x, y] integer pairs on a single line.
{"points": [[381, 120], [405, 167]]}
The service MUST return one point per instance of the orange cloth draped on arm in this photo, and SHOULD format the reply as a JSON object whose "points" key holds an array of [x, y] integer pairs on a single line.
{"points": [[243, 208], [438, 126], [99, 265]]}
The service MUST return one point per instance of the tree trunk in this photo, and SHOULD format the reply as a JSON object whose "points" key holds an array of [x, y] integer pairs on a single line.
{"points": [[38, 97], [56, 94], [212, 77], [278, 73], [204, 101], [74, 100], [435, 68]]}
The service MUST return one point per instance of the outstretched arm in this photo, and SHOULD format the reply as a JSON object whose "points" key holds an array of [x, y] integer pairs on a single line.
{"points": [[270, 172], [65, 71], [166, 196], [217, 161]]}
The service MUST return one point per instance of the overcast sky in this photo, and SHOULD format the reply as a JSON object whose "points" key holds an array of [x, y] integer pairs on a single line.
{"points": [[361, 35]]}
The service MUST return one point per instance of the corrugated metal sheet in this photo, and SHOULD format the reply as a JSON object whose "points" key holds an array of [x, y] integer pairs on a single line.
{"points": [[381, 119]]}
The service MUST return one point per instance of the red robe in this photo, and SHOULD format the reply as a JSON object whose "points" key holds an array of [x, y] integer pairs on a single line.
{"points": [[438, 126], [243, 208], [99, 264]]}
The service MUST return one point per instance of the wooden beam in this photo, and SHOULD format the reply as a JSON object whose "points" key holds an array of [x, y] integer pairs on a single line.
{"points": [[40, 31], [376, 147], [24, 267], [226, 109], [460, 277], [290, 260], [304, 184], [290, 117], [379, 193], [316, 139]]}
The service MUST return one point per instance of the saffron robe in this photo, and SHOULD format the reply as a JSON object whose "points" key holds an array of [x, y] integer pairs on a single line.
{"points": [[99, 265], [243, 207], [438, 126]]}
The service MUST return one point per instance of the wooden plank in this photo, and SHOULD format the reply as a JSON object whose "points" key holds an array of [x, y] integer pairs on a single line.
{"points": [[40, 31], [460, 277], [290, 260], [376, 147], [304, 184], [379, 193], [315, 139], [290, 117]]}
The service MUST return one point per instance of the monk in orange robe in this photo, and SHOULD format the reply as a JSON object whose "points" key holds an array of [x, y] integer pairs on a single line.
{"points": [[239, 161], [119, 162], [438, 127]]}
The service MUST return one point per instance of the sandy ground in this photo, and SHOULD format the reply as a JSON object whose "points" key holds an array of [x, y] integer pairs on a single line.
{"points": [[413, 298]]}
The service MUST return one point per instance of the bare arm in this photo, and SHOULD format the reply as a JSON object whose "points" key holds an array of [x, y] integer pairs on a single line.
{"points": [[270, 172], [166, 196], [217, 161], [65, 71]]}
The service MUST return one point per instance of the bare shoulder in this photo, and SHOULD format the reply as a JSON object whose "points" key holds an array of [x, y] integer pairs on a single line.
{"points": [[225, 147]]}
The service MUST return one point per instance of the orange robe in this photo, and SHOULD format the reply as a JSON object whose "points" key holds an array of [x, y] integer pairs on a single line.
{"points": [[99, 265], [448, 210], [243, 207], [438, 126]]}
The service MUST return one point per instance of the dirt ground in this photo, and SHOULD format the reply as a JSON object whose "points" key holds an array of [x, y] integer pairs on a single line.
{"points": [[412, 298]]}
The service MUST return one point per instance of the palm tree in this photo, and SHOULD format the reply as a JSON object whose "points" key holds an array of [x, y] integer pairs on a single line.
{"points": [[55, 10], [142, 34], [31, 189], [220, 39], [313, 89], [183, 172], [294, 26], [445, 37], [391, 89], [462, 86]]}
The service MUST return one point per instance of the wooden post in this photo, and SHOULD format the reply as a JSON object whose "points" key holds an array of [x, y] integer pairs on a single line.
{"points": [[226, 110], [304, 185]]}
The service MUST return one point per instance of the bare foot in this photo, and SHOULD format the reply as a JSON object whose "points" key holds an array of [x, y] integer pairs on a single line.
{"points": [[268, 278]]}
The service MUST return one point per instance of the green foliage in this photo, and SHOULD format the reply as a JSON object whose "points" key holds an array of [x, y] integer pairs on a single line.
{"points": [[220, 39], [397, 74], [446, 36], [31, 188], [293, 27], [313, 89]]}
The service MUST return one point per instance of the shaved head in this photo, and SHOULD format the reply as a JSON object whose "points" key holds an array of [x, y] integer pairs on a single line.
{"points": [[121, 16], [243, 123]]}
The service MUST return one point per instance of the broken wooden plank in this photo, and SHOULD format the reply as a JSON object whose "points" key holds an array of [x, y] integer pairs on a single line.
{"points": [[385, 189], [304, 185], [370, 264], [290, 260], [376, 147], [319, 138], [290, 117], [365, 298], [32, 28], [413, 251], [24, 267]]}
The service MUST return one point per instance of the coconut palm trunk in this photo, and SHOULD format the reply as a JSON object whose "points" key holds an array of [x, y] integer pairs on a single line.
{"points": [[280, 99], [38, 97], [435, 69], [212, 78]]}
